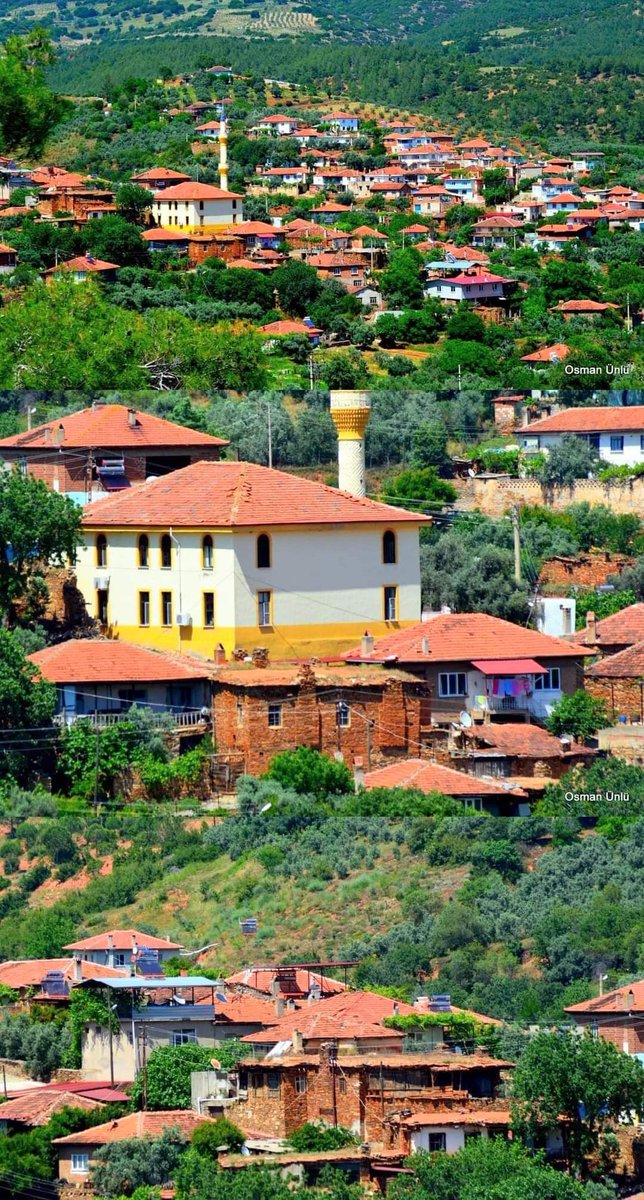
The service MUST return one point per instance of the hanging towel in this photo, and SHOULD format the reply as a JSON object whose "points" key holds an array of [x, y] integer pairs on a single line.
{"points": [[495, 687]]}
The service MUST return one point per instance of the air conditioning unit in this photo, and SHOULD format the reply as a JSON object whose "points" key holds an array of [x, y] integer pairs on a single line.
{"points": [[101, 582], [184, 619]]}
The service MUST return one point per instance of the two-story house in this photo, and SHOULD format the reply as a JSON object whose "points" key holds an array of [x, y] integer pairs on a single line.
{"points": [[615, 432]]}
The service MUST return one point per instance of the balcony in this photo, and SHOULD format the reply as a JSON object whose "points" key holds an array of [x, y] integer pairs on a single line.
{"points": [[182, 718], [174, 1012]]}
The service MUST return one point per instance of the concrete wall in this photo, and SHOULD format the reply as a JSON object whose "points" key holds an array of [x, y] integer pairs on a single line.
{"points": [[494, 496]]}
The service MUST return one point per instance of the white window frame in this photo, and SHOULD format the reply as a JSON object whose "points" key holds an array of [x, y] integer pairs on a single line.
{"points": [[448, 691], [545, 683], [274, 716], [183, 1037], [617, 443], [343, 714], [83, 1157]]}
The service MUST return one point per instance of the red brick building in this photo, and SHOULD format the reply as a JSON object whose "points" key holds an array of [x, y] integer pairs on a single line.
{"points": [[613, 634], [364, 713], [359, 1091], [618, 679], [618, 1017], [106, 448]]}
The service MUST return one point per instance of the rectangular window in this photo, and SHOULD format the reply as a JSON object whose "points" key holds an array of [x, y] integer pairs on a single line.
{"points": [[263, 608], [474, 802], [166, 608], [144, 608], [452, 683], [435, 1142], [101, 606], [273, 1083], [240, 712], [209, 610], [300, 1084], [617, 443], [274, 716], [80, 1163], [343, 714], [390, 597], [181, 1037], [550, 682], [119, 960], [642, 441]]}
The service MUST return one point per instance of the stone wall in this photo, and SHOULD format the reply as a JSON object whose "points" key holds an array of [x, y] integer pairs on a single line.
{"points": [[495, 495], [623, 697], [588, 570]]}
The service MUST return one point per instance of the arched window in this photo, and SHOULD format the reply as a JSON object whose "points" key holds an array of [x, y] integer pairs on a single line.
{"points": [[207, 553], [389, 546], [166, 550], [263, 550], [101, 550], [144, 550]]}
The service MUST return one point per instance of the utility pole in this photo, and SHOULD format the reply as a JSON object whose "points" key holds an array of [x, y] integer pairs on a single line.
{"points": [[516, 530], [270, 436], [96, 763]]}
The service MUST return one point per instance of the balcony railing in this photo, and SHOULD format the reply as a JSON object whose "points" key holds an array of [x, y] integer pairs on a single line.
{"points": [[182, 719]]}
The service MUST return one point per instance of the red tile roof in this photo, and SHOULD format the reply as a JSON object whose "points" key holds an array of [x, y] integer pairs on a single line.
{"points": [[195, 191], [629, 998], [164, 235], [290, 674], [89, 660], [432, 777], [123, 939], [461, 637], [94, 266], [235, 495], [155, 173], [583, 306], [108, 426], [285, 328], [625, 627], [627, 664], [29, 972], [262, 979], [547, 354], [591, 420], [36, 1108], [478, 277], [314, 1024], [439, 1060], [528, 741], [135, 1125], [243, 1010], [458, 1116]]}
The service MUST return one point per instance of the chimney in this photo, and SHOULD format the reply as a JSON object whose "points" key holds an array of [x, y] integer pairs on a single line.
{"points": [[358, 773], [591, 627], [131, 418], [220, 655], [297, 1041], [367, 644], [279, 1006], [59, 435], [350, 413], [424, 645], [78, 969], [110, 950], [47, 434], [525, 416]]}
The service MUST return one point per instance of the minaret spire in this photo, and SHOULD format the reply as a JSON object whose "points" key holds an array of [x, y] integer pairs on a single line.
{"points": [[223, 150]]}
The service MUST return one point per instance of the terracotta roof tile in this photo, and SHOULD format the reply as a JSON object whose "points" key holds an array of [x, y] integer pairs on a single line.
{"points": [[155, 173], [548, 354], [314, 1024], [591, 420], [238, 494], [438, 1060], [627, 664], [244, 1010], [88, 660], [135, 1125], [432, 777], [107, 426], [261, 979], [37, 1108], [462, 637], [629, 998], [123, 939], [29, 972], [624, 627], [524, 740], [195, 191], [458, 1116]]}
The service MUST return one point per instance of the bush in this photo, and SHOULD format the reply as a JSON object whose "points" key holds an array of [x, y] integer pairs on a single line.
{"points": [[207, 1139], [316, 1136], [308, 772]]}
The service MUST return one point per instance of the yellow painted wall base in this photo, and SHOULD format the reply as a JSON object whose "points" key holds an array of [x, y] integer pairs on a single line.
{"points": [[288, 642]]}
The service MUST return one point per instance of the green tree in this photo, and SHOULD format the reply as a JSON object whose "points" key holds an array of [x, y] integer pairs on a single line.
{"points": [[496, 186], [168, 1076], [401, 281], [208, 1139], [574, 458], [133, 202], [26, 699], [486, 1169], [114, 239], [585, 1080], [38, 528], [297, 287], [419, 489], [579, 715], [565, 280], [429, 447], [466, 326], [28, 107], [119, 1168], [310, 773], [314, 1135]]}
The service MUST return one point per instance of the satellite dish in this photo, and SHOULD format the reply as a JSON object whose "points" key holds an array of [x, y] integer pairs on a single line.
{"points": [[465, 719]]}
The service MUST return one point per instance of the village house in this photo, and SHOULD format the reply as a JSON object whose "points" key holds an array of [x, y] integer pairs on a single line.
{"points": [[50, 980], [495, 796], [588, 309], [360, 1091], [157, 179], [234, 555], [521, 754], [164, 240], [83, 267], [618, 680], [296, 981], [8, 259], [278, 125], [480, 664], [349, 269], [122, 948], [474, 285], [106, 448], [615, 432], [196, 206], [365, 714], [617, 1016], [495, 231], [547, 355], [99, 680], [76, 1151], [619, 631], [343, 122], [445, 1131]]}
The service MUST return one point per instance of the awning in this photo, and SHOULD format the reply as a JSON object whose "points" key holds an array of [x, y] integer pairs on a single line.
{"points": [[509, 666]]}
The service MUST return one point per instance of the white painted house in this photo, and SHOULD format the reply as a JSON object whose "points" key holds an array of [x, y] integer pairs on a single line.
{"points": [[616, 432], [475, 285], [195, 206]]}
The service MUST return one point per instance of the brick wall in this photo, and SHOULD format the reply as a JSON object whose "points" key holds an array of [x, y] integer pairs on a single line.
{"points": [[588, 570], [627, 1033], [309, 718], [68, 471], [624, 697]]}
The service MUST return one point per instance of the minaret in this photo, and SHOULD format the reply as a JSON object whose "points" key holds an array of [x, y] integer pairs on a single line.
{"points": [[223, 150], [350, 412]]}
